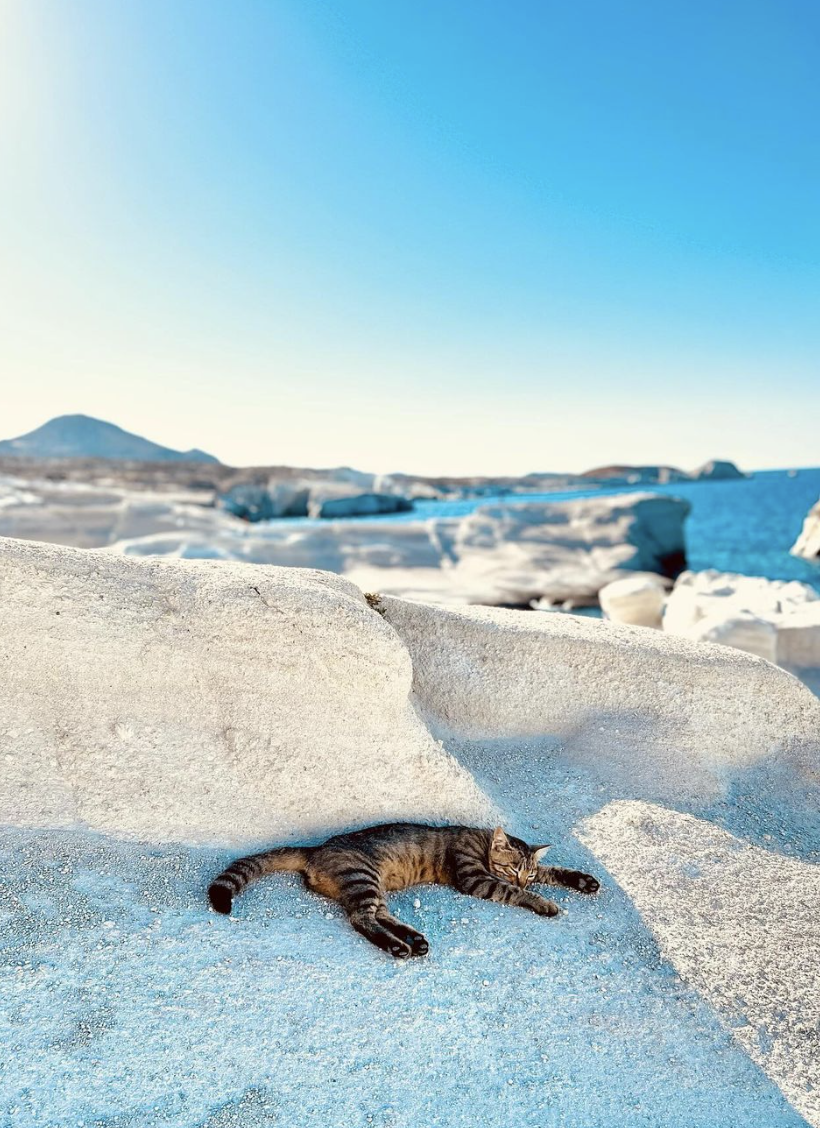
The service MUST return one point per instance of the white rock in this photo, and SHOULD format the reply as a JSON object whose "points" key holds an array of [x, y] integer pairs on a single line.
{"points": [[774, 619], [798, 638], [355, 504], [808, 543], [652, 715], [498, 554], [738, 923], [94, 516], [204, 702], [637, 599], [567, 550], [561, 550], [740, 629]]}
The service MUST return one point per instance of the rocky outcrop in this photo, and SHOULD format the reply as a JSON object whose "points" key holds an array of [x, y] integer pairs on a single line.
{"points": [[808, 543], [567, 550], [774, 619], [253, 502], [202, 702], [716, 470], [655, 716], [356, 504], [195, 701], [637, 475], [499, 554], [70, 513]]}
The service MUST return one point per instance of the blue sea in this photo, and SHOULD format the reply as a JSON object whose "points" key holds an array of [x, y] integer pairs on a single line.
{"points": [[745, 526]]}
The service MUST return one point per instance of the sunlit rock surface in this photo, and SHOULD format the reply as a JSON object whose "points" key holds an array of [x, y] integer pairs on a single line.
{"points": [[739, 923], [774, 619], [498, 554], [808, 543], [660, 716], [202, 702], [637, 599], [172, 704]]}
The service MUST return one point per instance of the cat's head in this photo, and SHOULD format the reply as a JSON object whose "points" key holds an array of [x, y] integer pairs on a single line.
{"points": [[513, 860]]}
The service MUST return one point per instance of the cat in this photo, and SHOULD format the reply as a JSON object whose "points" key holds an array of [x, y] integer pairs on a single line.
{"points": [[357, 869]]}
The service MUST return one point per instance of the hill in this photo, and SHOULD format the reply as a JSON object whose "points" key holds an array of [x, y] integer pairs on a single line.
{"points": [[82, 436]]}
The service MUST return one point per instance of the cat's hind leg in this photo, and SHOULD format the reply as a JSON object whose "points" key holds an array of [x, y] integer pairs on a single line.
{"points": [[418, 943], [362, 900], [367, 925]]}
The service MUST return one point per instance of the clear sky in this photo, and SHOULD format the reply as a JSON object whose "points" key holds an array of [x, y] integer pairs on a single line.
{"points": [[451, 236]]}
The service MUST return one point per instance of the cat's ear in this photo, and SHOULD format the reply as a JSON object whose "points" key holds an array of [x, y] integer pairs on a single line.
{"points": [[538, 852], [500, 840]]}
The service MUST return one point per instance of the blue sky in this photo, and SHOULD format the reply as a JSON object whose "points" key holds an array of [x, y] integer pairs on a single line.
{"points": [[443, 237]]}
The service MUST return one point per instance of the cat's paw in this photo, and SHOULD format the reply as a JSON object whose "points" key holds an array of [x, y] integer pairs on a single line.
{"points": [[545, 908], [221, 898], [419, 945], [585, 883]]}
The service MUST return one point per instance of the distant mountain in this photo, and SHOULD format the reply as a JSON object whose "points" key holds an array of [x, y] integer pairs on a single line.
{"points": [[81, 436]]}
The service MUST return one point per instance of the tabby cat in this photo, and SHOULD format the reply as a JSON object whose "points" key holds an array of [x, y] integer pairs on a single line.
{"points": [[357, 870]]}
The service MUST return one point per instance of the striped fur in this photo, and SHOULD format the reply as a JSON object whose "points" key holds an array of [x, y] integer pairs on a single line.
{"points": [[358, 869]]}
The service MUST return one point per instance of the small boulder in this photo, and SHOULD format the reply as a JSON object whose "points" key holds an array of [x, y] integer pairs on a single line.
{"points": [[637, 599]]}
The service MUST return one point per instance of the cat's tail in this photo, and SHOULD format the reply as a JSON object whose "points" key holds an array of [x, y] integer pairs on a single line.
{"points": [[244, 871]]}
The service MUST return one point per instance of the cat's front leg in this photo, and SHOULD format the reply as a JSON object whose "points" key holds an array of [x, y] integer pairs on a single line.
{"points": [[489, 888], [571, 879]]}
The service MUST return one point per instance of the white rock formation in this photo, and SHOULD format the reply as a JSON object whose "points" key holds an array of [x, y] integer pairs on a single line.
{"points": [[497, 554], [774, 619], [300, 498], [808, 543], [637, 599], [653, 716], [206, 702], [738, 923], [329, 504], [166, 700], [120, 674], [569, 549], [798, 637], [95, 516], [740, 629]]}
